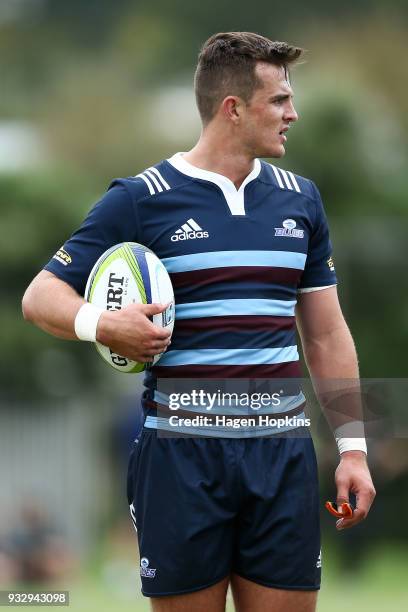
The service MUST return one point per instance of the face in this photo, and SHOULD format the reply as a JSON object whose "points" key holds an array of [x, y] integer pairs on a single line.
{"points": [[266, 118]]}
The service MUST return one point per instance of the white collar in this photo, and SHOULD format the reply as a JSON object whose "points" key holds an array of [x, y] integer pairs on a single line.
{"points": [[233, 196]]}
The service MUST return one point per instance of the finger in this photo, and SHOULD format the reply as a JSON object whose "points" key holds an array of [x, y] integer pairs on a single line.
{"points": [[152, 309], [154, 333], [343, 493], [153, 349], [159, 333], [159, 347], [346, 523], [145, 358], [364, 500], [153, 352]]}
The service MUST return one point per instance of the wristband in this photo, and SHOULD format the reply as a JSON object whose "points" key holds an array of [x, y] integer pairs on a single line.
{"points": [[349, 444], [86, 322], [351, 436]]}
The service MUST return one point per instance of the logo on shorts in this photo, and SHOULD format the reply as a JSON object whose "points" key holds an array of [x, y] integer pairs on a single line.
{"points": [[289, 230], [145, 570], [319, 560]]}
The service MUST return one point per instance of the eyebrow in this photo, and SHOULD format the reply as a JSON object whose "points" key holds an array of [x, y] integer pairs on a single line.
{"points": [[279, 97]]}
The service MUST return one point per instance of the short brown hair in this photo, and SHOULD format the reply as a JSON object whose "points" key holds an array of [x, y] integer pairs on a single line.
{"points": [[226, 66]]}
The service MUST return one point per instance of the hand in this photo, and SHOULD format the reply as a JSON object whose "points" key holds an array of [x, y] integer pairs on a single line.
{"points": [[130, 333], [353, 476]]}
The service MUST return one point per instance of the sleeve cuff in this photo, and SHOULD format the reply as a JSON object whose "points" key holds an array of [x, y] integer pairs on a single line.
{"points": [[310, 289]]}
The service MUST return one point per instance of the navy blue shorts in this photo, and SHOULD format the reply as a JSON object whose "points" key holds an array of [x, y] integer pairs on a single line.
{"points": [[208, 507]]}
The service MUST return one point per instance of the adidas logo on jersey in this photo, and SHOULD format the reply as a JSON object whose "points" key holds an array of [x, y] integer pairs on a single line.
{"points": [[189, 231]]}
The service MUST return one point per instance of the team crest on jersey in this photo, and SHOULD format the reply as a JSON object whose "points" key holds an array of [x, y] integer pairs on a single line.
{"points": [[289, 230], [145, 570], [63, 257], [189, 231]]}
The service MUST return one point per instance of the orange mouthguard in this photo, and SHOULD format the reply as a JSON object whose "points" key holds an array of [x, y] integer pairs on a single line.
{"points": [[332, 507]]}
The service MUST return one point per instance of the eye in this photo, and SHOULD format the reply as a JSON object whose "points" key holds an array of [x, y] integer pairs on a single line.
{"points": [[278, 101]]}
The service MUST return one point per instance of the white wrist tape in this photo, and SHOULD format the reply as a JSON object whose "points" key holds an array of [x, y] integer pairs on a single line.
{"points": [[86, 322], [350, 436], [349, 444]]}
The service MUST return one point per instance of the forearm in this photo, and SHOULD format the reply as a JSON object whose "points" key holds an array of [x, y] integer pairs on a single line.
{"points": [[52, 305], [332, 361], [332, 356], [333, 366]]}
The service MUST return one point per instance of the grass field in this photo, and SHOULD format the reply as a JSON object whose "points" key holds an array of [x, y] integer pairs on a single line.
{"points": [[381, 585]]}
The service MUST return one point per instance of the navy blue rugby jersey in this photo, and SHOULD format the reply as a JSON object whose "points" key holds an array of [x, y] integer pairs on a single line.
{"points": [[237, 260]]}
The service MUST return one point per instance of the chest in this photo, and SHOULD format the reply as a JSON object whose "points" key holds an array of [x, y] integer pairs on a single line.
{"points": [[202, 222]]}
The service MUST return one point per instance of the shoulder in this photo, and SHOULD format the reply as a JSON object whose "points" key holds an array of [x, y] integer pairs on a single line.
{"points": [[287, 180], [149, 183]]}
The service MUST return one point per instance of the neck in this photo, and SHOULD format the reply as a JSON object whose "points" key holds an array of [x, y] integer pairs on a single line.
{"points": [[217, 153]]}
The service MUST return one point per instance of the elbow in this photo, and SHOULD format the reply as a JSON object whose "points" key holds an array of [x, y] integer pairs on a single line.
{"points": [[27, 306], [34, 302]]}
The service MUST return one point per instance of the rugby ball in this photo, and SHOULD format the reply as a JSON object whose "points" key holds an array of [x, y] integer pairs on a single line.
{"points": [[130, 273]]}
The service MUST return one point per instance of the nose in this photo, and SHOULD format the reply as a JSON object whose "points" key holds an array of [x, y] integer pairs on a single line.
{"points": [[291, 114]]}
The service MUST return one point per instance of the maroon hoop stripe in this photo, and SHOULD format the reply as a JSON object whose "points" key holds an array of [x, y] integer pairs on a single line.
{"points": [[290, 369], [200, 278], [233, 323]]}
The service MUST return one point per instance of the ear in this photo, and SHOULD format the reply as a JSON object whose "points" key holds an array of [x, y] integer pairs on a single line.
{"points": [[232, 107]]}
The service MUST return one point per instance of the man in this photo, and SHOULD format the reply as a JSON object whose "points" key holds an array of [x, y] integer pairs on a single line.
{"points": [[244, 242]]}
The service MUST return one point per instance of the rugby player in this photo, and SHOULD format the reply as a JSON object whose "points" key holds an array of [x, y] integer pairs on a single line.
{"points": [[245, 242]]}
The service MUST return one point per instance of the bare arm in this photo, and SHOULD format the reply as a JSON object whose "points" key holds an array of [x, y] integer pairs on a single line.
{"points": [[327, 343], [331, 356], [52, 305]]}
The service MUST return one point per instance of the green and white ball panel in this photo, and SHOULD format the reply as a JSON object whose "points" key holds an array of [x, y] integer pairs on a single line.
{"points": [[161, 291], [129, 273]]}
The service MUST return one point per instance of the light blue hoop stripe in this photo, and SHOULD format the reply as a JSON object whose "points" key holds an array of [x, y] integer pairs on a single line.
{"points": [[230, 356], [249, 307], [217, 431], [228, 259]]}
